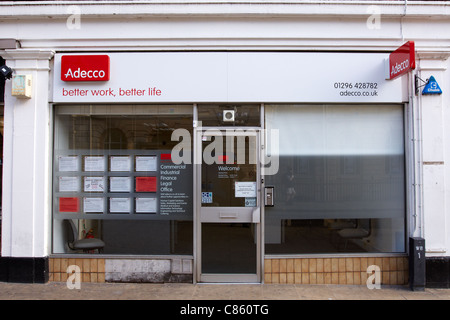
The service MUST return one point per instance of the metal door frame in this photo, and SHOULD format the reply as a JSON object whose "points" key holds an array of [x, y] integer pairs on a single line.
{"points": [[256, 214]]}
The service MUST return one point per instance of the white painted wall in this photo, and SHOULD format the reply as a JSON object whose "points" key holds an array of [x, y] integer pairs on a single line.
{"points": [[434, 121], [26, 169]]}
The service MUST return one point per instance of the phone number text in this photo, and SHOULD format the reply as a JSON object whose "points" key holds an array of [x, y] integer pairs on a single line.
{"points": [[356, 85]]}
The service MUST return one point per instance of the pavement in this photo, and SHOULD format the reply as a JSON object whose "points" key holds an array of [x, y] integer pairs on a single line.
{"points": [[212, 292], [217, 301]]}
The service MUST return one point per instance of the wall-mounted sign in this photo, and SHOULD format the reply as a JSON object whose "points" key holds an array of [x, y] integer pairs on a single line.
{"points": [[196, 77], [21, 86], [402, 60], [85, 68], [432, 87]]}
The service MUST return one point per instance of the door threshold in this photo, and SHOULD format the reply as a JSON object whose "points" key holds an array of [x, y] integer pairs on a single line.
{"points": [[227, 283], [220, 278]]}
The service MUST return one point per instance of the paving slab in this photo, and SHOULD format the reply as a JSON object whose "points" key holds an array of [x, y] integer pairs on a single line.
{"points": [[150, 291]]}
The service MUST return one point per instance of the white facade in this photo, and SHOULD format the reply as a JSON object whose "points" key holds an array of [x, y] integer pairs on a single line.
{"points": [[45, 30]]}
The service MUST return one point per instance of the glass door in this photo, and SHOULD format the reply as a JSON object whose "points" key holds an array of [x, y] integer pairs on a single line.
{"points": [[229, 206]]}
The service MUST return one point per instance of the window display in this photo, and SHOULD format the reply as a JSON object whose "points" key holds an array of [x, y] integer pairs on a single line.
{"points": [[341, 183], [113, 163]]}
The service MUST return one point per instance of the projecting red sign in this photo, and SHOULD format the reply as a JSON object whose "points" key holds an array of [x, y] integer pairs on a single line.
{"points": [[402, 60], [85, 68]]}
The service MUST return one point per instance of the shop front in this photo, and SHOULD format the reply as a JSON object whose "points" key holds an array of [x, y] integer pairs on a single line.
{"points": [[229, 167]]}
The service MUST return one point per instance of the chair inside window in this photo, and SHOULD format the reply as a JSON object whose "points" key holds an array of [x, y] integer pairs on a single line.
{"points": [[359, 232], [86, 245]]}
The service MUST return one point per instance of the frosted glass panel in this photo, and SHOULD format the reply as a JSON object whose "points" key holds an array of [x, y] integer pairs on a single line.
{"points": [[341, 168], [337, 130]]}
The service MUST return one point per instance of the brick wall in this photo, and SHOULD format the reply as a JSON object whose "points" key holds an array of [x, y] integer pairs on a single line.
{"points": [[92, 270], [349, 271]]}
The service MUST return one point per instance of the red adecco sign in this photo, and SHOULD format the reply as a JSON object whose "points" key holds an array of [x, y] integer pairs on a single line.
{"points": [[402, 60], [85, 68]]}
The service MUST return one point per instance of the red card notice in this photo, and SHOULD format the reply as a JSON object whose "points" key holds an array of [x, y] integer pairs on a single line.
{"points": [[68, 204], [145, 184]]}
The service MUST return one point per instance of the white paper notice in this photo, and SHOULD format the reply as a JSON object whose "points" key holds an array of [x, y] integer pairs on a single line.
{"points": [[146, 205], [94, 184], [145, 163], [95, 163], [68, 163], [69, 184], [245, 189], [120, 163], [93, 204], [120, 184], [119, 205]]}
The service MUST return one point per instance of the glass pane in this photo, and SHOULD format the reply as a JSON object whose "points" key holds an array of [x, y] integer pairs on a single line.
{"points": [[128, 237], [341, 183], [244, 115], [113, 173], [229, 171], [147, 237], [228, 248], [113, 132]]}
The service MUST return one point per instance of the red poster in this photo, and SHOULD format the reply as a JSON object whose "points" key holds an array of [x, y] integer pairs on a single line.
{"points": [[145, 184], [166, 156], [68, 204]]}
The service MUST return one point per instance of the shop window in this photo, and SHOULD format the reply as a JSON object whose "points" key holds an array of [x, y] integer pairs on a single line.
{"points": [[341, 182], [114, 183], [114, 139]]}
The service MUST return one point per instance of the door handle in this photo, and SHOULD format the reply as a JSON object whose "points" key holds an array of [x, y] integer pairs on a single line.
{"points": [[256, 216], [227, 215]]}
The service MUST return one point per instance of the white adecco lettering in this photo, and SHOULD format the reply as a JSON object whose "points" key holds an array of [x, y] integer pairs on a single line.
{"points": [[399, 67], [83, 74]]}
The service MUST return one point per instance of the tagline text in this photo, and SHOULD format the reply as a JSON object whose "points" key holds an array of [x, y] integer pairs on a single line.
{"points": [[110, 92]]}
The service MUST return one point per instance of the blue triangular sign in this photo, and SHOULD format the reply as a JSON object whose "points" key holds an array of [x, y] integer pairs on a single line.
{"points": [[432, 87]]}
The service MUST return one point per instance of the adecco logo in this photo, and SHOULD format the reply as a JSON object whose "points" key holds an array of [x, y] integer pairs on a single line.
{"points": [[85, 68], [402, 60]]}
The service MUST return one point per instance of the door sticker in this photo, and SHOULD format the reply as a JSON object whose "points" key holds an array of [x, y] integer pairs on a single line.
{"points": [[207, 197], [250, 202], [245, 189]]}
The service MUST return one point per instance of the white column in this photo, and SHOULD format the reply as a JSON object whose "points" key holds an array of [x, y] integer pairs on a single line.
{"points": [[434, 111], [26, 211]]}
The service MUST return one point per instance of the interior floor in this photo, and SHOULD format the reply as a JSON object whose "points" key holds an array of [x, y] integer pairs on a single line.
{"points": [[312, 236]]}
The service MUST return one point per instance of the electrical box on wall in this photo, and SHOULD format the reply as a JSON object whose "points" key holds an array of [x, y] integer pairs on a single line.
{"points": [[21, 86], [268, 197], [417, 274]]}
